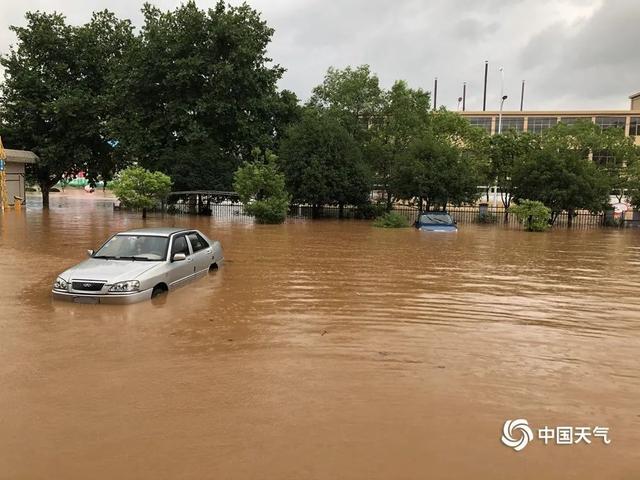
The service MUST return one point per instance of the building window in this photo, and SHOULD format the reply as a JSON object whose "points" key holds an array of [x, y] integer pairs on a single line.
{"points": [[540, 124], [605, 159], [482, 122], [611, 122], [574, 120], [634, 127], [508, 123]]}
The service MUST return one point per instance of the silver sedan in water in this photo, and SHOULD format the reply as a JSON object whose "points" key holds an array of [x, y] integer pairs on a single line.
{"points": [[139, 264]]}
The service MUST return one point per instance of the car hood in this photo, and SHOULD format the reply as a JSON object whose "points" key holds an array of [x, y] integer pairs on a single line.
{"points": [[110, 271]]}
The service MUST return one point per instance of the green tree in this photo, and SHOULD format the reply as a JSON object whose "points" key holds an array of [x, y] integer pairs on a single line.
{"points": [[562, 179], [323, 164], [534, 215], [445, 165], [608, 148], [140, 188], [261, 188], [53, 99], [506, 152], [404, 118], [198, 92], [353, 95], [633, 185]]}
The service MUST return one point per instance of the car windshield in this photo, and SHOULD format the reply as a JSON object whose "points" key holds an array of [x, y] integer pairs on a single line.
{"points": [[134, 247], [436, 219]]}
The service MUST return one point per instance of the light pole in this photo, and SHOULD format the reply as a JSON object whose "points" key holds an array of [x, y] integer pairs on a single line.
{"points": [[504, 97]]}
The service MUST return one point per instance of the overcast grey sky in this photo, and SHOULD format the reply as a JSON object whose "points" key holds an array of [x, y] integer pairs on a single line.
{"points": [[573, 54]]}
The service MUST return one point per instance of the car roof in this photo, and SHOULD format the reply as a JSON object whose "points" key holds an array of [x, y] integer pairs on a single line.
{"points": [[158, 231]]}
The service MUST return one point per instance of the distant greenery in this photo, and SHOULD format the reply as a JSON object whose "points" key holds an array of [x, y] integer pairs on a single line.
{"points": [[391, 220], [323, 163], [140, 188], [192, 93], [261, 188], [533, 215]]}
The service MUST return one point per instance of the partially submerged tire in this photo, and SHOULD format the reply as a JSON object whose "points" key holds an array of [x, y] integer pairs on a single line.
{"points": [[158, 290]]}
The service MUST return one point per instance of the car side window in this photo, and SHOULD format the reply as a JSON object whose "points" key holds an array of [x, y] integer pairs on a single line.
{"points": [[197, 242], [179, 246]]}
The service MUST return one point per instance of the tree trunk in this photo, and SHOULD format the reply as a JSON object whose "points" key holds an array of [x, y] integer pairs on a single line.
{"points": [[44, 187], [144, 213], [389, 203], [340, 210], [315, 210], [570, 218]]}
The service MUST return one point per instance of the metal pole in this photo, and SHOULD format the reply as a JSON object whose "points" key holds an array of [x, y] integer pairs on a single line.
{"points": [[435, 94], [484, 97], [464, 96], [502, 99], [522, 96]]}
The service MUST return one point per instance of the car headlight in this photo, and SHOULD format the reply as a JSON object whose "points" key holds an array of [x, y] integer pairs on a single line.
{"points": [[128, 286], [61, 284]]}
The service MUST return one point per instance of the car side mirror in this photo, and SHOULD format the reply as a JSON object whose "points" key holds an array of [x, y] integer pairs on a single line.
{"points": [[90, 253], [178, 257]]}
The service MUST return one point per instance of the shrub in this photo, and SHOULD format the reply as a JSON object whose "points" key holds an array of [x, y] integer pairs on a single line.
{"points": [[137, 187], [486, 218], [261, 188], [534, 215], [369, 211], [391, 220]]}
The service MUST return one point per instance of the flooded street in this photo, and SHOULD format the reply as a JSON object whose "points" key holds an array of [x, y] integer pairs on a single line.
{"points": [[321, 350]]}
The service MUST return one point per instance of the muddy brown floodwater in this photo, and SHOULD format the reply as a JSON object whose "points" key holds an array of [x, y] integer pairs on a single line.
{"points": [[321, 350]]}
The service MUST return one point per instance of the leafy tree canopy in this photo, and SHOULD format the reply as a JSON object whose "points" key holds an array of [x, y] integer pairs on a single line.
{"points": [[323, 163], [198, 92], [562, 179], [261, 187], [140, 188], [445, 165], [55, 98]]}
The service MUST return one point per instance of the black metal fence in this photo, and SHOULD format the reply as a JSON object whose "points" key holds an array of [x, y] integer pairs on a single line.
{"points": [[225, 205], [500, 216]]}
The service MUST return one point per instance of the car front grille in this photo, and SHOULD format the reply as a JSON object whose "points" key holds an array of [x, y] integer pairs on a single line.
{"points": [[87, 286]]}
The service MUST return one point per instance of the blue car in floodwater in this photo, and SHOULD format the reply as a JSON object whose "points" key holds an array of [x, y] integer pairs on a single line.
{"points": [[435, 222]]}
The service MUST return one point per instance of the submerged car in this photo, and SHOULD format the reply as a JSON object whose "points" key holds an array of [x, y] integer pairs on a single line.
{"points": [[436, 222], [139, 264]]}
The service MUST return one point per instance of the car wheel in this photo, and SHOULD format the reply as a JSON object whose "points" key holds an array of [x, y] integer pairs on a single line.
{"points": [[158, 290]]}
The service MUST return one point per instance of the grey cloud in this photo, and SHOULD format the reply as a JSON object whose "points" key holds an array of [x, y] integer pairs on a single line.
{"points": [[573, 53], [592, 63]]}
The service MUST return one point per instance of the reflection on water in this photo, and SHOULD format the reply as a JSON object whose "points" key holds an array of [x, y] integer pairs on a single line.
{"points": [[320, 350]]}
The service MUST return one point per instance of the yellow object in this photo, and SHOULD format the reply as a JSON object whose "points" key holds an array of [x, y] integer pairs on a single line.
{"points": [[3, 178]]}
